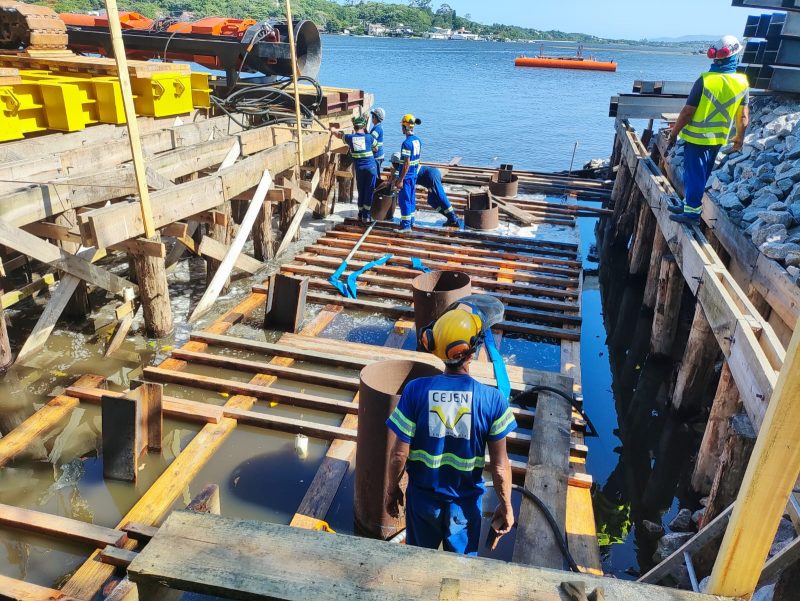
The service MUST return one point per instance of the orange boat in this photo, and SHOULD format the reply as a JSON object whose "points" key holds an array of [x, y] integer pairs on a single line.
{"points": [[565, 62]]}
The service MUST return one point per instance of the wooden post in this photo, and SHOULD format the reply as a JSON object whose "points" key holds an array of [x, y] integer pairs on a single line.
{"points": [[697, 364], [727, 403], [286, 303], [624, 225], [130, 116], [653, 271], [263, 236], [768, 482], [222, 234], [639, 256], [345, 190], [295, 75], [154, 293], [326, 192], [121, 436], [668, 304], [150, 396], [741, 437]]}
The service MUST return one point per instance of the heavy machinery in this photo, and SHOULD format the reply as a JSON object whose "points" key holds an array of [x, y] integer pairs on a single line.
{"points": [[231, 45]]}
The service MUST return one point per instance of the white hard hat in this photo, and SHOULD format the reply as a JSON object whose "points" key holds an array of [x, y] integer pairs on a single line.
{"points": [[396, 160], [379, 113], [725, 47]]}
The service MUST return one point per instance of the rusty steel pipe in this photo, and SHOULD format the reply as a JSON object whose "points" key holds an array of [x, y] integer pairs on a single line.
{"points": [[504, 183], [434, 291], [379, 390], [481, 212], [383, 206]]}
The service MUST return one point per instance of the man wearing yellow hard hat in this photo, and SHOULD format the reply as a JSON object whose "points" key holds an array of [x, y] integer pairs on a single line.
{"points": [[443, 425], [410, 152]]}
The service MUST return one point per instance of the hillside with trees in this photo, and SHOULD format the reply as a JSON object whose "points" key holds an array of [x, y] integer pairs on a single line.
{"points": [[330, 16]]}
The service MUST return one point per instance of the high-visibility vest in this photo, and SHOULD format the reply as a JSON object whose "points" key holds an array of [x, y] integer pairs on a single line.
{"points": [[713, 119]]}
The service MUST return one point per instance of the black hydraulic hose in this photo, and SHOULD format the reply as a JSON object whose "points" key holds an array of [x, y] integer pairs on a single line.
{"points": [[561, 539], [522, 399]]}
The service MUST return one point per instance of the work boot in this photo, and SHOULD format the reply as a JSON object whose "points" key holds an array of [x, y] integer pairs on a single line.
{"points": [[367, 218], [676, 209], [686, 218], [453, 221]]}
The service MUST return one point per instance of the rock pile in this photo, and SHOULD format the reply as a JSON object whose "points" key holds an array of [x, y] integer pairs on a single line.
{"points": [[759, 187]]}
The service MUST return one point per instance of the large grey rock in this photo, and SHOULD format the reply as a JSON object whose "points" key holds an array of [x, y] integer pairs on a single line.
{"points": [[778, 250], [793, 174], [782, 217], [786, 531], [793, 151], [669, 543], [794, 272], [769, 232], [794, 235], [785, 186], [682, 522], [794, 210], [794, 195], [777, 206], [730, 201], [652, 530], [792, 258], [764, 199]]}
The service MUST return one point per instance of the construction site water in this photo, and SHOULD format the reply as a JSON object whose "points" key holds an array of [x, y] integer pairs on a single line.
{"points": [[533, 124]]}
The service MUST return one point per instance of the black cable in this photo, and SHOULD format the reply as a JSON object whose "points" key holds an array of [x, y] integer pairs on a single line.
{"points": [[522, 400], [561, 539]]}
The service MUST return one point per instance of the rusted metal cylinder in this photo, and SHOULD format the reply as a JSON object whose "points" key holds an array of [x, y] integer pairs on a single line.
{"points": [[379, 390], [498, 187], [434, 291], [383, 206], [481, 213]]}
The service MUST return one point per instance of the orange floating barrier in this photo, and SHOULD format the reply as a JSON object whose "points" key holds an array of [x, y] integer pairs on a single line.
{"points": [[565, 63]]}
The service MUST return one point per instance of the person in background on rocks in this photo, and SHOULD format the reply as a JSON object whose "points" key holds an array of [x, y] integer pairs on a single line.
{"points": [[718, 100], [362, 147], [378, 115]]}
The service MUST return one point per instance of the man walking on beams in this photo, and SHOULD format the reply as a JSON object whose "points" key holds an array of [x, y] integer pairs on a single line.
{"points": [[410, 153], [362, 146], [442, 426], [718, 99]]}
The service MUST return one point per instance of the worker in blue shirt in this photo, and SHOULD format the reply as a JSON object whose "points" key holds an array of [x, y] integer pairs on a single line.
{"points": [[362, 146], [378, 115], [429, 178], [410, 153], [442, 426]]}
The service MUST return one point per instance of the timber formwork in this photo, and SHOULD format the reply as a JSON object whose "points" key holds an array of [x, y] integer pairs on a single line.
{"points": [[538, 280]]}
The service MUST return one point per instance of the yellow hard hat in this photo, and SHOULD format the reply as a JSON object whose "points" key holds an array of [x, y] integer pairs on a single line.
{"points": [[409, 119], [454, 336]]}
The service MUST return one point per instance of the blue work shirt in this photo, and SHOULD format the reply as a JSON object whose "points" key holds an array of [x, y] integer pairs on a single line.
{"points": [[377, 133], [412, 150], [362, 146], [447, 420], [429, 177]]}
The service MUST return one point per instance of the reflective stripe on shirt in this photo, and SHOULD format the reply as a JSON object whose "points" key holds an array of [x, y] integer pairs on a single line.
{"points": [[462, 464]]}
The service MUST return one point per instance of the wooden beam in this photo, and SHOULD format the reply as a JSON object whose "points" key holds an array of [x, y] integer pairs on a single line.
{"points": [[120, 332], [59, 527], [45, 252], [18, 590], [10, 299], [142, 246], [225, 267], [121, 436], [294, 226], [52, 231], [211, 248]]}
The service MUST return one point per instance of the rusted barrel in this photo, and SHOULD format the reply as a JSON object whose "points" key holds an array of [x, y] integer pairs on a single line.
{"points": [[383, 206], [379, 391], [481, 213], [504, 182], [434, 291]]}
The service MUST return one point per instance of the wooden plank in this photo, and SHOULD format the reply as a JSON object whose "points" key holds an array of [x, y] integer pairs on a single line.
{"points": [[225, 267], [45, 252], [203, 554], [48, 417], [547, 477], [294, 226], [52, 231], [142, 246], [216, 250], [11, 298], [59, 527], [120, 332], [119, 558], [47, 320], [152, 400], [786, 557], [18, 590]]}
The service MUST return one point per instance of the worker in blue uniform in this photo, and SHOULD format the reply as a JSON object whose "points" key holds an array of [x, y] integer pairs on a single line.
{"points": [[410, 153], [442, 426], [362, 150], [430, 178], [378, 115]]}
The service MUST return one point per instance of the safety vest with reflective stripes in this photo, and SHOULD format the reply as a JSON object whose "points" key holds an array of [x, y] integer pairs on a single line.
{"points": [[362, 146], [713, 118]]}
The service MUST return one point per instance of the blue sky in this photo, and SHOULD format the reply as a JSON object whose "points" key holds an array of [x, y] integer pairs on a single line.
{"points": [[630, 19]]}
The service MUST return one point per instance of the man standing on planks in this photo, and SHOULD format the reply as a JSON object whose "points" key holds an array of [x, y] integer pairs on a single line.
{"points": [[362, 147], [410, 152], [378, 115], [442, 426], [718, 100]]}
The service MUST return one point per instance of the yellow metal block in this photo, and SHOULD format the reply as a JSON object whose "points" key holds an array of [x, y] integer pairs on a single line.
{"points": [[21, 111], [201, 93], [109, 100], [69, 103], [163, 94]]}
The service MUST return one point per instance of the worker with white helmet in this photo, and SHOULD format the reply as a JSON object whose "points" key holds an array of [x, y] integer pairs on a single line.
{"points": [[442, 426], [378, 115], [718, 102]]}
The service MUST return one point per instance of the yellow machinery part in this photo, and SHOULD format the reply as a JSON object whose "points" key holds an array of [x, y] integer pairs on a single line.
{"points": [[201, 93], [162, 94], [21, 111]]}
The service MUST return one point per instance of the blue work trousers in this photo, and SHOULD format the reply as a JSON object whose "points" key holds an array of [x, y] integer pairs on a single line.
{"points": [[437, 199], [698, 163], [430, 522], [407, 199], [366, 178]]}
